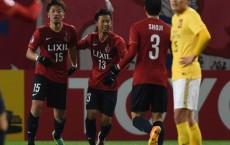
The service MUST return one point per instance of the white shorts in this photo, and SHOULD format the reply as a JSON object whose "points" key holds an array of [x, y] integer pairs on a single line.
{"points": [[186, 93]]}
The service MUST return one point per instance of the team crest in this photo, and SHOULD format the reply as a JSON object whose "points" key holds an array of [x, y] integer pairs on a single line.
{"points": [[67, 38], [107, 49], [180, 23]]}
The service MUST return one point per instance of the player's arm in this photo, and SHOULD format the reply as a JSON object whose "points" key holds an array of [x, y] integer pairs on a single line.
{"points": [[133, 46], [129, 55], [122, 50], [33, 45], [3, 115], [72, 56], [29, 13], [3, 121], [115, 69], [84, 43], [72, 52], [203, 37], [30, 54]]}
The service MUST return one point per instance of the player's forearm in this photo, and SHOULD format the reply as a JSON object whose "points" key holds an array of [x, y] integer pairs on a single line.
{"points": [[31, 55], [128, 57], [203, 39], [3, 121], [73, 56]]}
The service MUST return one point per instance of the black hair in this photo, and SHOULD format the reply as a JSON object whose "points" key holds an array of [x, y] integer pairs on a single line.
{"points": [[153, 7], [102, 12], [56, 3]]}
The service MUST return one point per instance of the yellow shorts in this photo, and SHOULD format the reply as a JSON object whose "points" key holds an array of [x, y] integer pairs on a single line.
{"points": [[186, 93]]}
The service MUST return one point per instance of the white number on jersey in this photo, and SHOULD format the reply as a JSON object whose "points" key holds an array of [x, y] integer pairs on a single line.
{"points": [[59, 57], [102, 64], [154, 38]]}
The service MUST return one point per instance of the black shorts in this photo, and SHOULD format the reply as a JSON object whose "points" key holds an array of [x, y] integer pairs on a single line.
{"points": [[145, 95], [105, 101], [53, 93]]}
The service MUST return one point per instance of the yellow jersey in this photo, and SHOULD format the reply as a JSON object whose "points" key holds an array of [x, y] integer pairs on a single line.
{"points": [[184, 29]]}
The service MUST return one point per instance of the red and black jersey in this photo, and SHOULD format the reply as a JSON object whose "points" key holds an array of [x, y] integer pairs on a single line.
{"points": [[6, 7], [54, 45], [104, 55], [149, 39], [9, 8]]}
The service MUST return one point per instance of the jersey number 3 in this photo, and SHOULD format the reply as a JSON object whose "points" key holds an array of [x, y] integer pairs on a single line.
{"points": [[155, 39]]}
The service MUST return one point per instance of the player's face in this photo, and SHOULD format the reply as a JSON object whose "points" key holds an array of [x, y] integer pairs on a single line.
{"points": [[56, 14], [104, 24], [178, 5]]}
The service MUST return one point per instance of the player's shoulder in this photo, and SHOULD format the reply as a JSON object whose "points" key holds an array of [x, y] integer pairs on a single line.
{"points": [[90, 36], [42, 30], [191, 12], [140, 23], [93, 34], [115, 36], [43, 27], [144, 20], [70, 26]]}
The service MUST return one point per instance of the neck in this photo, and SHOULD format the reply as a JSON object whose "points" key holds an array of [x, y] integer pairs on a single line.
{"points": [[155, 17], [103, 36], [181, 10], [56, 26]]}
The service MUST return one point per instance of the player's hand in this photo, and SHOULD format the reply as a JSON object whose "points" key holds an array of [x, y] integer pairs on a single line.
{"points": [[185, 61], [111, 77], [71, 70], [44, 61]]}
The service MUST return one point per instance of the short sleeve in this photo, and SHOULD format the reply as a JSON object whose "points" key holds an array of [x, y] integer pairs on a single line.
{"points": [[73, 41], [196, 24], [85, 42], [34, 40]]}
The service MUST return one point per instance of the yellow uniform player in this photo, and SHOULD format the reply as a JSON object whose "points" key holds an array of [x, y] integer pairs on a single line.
{"points": [[189, 37]]}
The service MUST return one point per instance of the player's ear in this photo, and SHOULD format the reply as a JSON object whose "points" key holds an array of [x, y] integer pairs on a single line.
{"points": [[96, 22]]}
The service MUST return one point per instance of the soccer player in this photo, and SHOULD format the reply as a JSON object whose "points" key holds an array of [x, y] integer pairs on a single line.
{"points": [[3, 120], [189, 37], [56, 39], [149, 39], [10, 8], [106, 49]]}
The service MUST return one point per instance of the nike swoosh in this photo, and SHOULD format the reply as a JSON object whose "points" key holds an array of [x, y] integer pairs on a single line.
{"points": [[48, 38], [34, 94], [95, 44]]}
